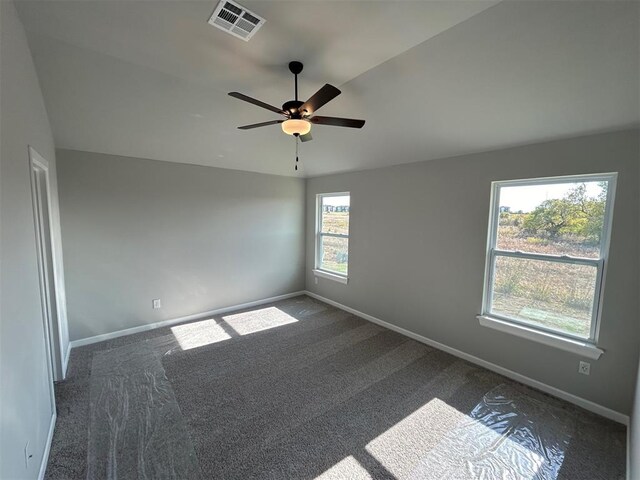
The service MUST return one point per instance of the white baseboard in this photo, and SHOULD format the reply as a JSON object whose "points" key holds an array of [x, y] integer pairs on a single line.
{"points": [[167, 323], [629, 472], [47, 448], [556, 392], [65, 362]]}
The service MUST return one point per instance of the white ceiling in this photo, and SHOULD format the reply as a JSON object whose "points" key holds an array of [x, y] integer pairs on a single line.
{"points": [[433, 79]]}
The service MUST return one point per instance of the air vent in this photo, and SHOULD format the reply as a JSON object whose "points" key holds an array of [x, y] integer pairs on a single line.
{"points": [[236, 20]]}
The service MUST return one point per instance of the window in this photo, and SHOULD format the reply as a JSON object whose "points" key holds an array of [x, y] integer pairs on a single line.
{"points": [[332, 235], [547, 248]]}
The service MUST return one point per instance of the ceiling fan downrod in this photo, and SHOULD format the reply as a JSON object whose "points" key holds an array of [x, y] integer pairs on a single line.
{"points": [[295, 67]]}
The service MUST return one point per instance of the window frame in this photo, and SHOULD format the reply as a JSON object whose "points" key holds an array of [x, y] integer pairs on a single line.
{"points": [[318, 270], [600, 263]]}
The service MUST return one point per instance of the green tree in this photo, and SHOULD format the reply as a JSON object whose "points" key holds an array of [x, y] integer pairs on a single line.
{"points": [[550, 218], [575, 214]]}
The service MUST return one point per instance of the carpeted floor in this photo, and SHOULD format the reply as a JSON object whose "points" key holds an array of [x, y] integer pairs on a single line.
{"points": [[301, 390]]}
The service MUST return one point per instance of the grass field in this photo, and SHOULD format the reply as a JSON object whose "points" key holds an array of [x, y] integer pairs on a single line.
{"points": [[555, 295], [335, 250]]}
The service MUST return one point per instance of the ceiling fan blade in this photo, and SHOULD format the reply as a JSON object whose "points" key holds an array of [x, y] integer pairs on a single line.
{"points": [[262, 124], [321, 97], [306, 138], [338, 122], [241, 96]]}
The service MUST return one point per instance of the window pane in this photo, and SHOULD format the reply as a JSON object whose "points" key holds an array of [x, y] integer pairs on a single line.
{"points": [[556, 295], [335, 256], [335, 214], [556, 219]]}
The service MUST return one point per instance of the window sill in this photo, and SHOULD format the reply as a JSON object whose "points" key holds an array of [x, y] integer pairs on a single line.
{"points": [[331, 276], [584, 349]]}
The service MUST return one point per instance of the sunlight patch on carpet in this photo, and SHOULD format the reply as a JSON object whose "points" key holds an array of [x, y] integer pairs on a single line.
{"points": [[414, 436], [258, 320], [198, 334], [349, 468]]}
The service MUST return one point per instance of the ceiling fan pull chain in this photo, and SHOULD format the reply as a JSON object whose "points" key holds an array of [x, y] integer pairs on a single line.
{"points": [[297, 139]]}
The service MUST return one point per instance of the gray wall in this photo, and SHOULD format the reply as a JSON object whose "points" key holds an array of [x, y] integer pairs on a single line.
{"points": [[198, 238], [25, 406], [417, 256]]}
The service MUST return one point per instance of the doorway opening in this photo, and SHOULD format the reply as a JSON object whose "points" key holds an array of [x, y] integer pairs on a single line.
{"points": [[41, 194]]}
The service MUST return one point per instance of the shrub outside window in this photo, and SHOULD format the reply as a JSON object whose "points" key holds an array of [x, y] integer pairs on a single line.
{"points": [[332, 233], [547, 250]]}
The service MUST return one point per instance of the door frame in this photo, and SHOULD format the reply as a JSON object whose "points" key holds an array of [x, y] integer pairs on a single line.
{"points": [[48, 268]]}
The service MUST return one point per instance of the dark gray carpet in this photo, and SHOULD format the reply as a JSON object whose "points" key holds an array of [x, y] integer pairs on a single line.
{"points": [[299, 389]]}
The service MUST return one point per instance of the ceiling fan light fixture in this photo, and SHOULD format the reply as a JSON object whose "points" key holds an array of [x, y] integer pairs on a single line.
{"points": [[295, 126]]}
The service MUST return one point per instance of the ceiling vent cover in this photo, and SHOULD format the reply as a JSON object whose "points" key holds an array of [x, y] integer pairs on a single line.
{"points": [[236, 20]]}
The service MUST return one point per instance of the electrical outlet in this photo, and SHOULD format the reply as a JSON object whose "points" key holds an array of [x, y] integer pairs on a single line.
{"points": [[156, 303], [584, 368], [316, 279], [27, 455]]}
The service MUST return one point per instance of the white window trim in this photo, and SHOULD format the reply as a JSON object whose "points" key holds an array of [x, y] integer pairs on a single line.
{"points": [[583, 346], [330, 276], [318, 271]]}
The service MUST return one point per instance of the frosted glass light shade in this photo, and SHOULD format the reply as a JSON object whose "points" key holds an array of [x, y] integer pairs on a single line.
{"points": [[293, 126]]}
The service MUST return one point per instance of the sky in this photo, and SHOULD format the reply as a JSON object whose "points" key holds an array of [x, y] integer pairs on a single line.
{"points": [[528, 197]]}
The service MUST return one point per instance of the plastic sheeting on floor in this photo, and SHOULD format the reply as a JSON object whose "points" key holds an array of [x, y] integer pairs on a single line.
{"points": [[136, 429], [508, 435]]}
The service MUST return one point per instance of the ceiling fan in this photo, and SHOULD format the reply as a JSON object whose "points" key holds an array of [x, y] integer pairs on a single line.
{"points": [[300, 115]]}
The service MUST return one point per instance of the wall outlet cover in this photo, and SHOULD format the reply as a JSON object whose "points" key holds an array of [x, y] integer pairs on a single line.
{"points": [[156, 303], [584, 368]]}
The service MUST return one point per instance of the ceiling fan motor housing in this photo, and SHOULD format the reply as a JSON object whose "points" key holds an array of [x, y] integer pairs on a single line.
{"points": [[295, 67], [292, 108]]}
